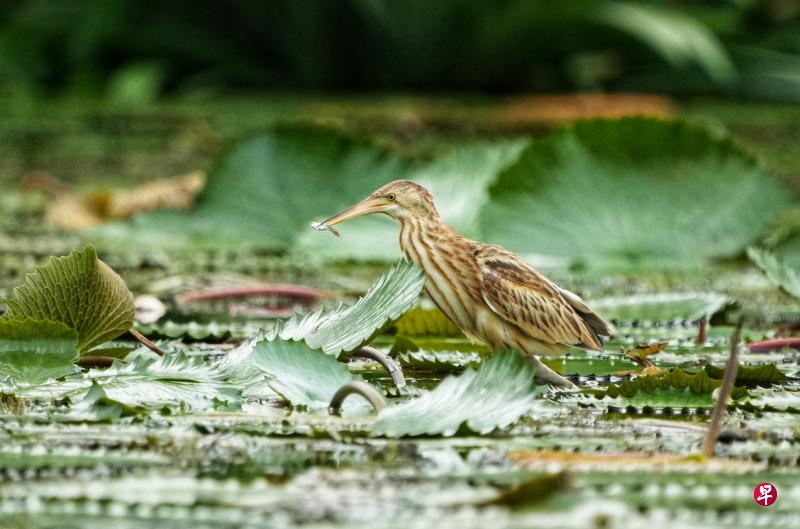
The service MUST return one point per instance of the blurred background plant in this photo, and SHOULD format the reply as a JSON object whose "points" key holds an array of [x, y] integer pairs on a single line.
{"points": [[101, 95], [139, 50]]}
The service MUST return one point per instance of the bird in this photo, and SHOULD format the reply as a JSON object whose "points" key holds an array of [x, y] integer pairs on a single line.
{"points": [[491, 294]]}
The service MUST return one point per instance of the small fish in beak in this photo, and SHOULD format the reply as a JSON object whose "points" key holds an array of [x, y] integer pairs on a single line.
{"points": [[324, 226]]}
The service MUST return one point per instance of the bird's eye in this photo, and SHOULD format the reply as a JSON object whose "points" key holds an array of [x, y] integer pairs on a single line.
{"points": [[391, 196]]}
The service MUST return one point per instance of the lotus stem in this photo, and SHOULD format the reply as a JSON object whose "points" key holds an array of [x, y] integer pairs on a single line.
{"points": [[144, 340], [728, 379], [770, 345], [291, 291], [701, 332], [358, 388], [391, 366]]}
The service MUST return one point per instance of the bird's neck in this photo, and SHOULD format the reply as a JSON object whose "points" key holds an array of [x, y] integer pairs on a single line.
{"points": [[448, 264], [417, 234]]}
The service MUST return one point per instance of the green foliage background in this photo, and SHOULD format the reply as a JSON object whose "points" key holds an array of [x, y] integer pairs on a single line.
{"points": [[138, 49]]}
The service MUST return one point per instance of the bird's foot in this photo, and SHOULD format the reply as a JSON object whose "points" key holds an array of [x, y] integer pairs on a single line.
{"points": [[545, 375]]}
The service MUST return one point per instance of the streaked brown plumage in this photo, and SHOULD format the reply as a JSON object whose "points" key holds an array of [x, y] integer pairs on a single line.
{"points": [[491, 294]]}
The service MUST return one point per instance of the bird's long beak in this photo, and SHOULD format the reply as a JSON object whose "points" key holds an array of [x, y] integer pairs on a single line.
{"points": [[365, 207]]}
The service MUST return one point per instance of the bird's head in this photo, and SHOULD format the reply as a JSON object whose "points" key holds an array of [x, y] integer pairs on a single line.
{"points": [[400, 199]]}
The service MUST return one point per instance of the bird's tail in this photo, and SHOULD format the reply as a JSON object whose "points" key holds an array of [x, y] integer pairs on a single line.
{"points": [[600, 327]]}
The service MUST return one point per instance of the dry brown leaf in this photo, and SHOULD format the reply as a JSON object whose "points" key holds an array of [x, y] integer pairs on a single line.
{"points": [[74, 213], [67, 210], [173, 193], [641, 353], [555, 109], [71, 213]]}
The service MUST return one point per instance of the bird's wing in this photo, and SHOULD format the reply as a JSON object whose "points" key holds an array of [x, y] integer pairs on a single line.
{"points": [[519, 294]]}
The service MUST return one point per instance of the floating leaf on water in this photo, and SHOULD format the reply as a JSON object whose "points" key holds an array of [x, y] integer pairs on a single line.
{"points": [[589, 364], [499, 393], [764, 375], [209, 332], [772, 400], [268, 188], [663, 307], [779, 272], [607, 193], [345, 329], [402, 344], [442, 361], [599, 167], [95, 406], [32, 352], [172, 379], [673, 389], [80, 291], [303, 376], [151, 383]]}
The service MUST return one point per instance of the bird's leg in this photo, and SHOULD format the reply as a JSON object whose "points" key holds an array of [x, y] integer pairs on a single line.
{"points": [[545, 375]]}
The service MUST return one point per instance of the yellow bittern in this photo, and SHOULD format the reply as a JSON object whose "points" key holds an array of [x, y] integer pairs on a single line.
{"points": [[489, 293]]}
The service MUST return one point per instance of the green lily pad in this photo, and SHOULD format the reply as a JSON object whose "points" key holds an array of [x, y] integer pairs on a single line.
{"points": [[96, 406], [208, 332], [32, 352], [783, 400], [661, 307], [267, 190], [439, 361], [583, 363], [779, 272], [345, 329], [764, 375], [151, 383], [632, 192], [673, 389], [80, 291], [305, 377], [494, 396]]}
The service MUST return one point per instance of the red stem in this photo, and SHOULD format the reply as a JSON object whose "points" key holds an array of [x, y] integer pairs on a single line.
{"points": [[701, 334], [144, 340], [292, 291], [777, 343]]}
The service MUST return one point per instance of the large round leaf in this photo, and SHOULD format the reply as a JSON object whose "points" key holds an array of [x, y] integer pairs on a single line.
{"points": [[275, 184], [268, 189], [33, 351], [632, 191]]}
